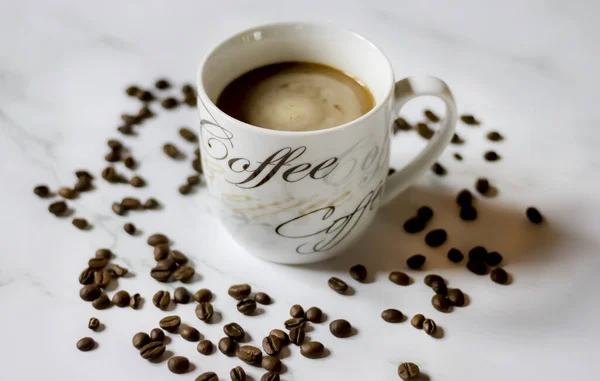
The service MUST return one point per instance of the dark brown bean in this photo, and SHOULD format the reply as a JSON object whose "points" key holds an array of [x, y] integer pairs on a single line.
{"points": [[439, 287], [157, 334], [137, 182], [246, 306], [67, 193], [340, 328], [113, 156], [498, 275], [118, 209], [237, 374], [102, 278], [172, 151], [249, 354], [439, 169], [189, 333], [86, 276], [262, 298], [314, 315], [152, 350], [80, 223], [170, 323], [416, 261], [121, 299], [169, 103], [482, 185], [193, 180], [205, 347], [271, 345], [90, 292], [129, 228], [294, 322], [271, 363], [86, 344], [358, 272], [424, 131], [429, 327], [408, 370], [417, 321], [399, 278], [178, 364], [430, 278], [207, 376], [337, 285], [400, 124], [392, 315], [136, 301], [312, 349], [140, 339], [162, 84], [494, 136], [491, 156], [296, 311], [282, 336], [239, 291], [203, 295], [162, 299], [204, 311], [297, 335], [157, 238], [440, 302], [145, 96], [469, 119], [83, 184], [42, 191], [117, 271], [94, 324], [161, 251], [181, 295], [185, 189], [455, 255], [270, 376], [131, 203], [183, 273], [534, 215], [102, 302], [234, 331], [151, 203], [227, 346], [58, 208], [97, 263], [188, 134], [178, 257], [493, 258], [477, 267], [456, 297]]}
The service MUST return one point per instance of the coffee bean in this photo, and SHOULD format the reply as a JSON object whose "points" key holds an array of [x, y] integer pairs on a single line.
{"points": [[439, 169], [337, 285], [90, 292], [137, 182], [113, 156], [162, 299], [439, 287], [170, 323], [145, 113], [86, 344], [190, 101], [157, 334], [425, 213], [491, 156], [495, 136], [83, 184], [314, 315], [227, 346], [493, 258], [408, 370], [110, 174], [440, 302], [152, 350], [203, 295], [436, 238], [102, 278], [162, 84], [429, 327], [262, 298], [181, 295], [431, 116], [464, 198], [205, 347], [456, 297], [234, 331], [282, 336], [270, 376], [126, 129], [400, 124], [482, 185], [86, 276], [163, 270], [136, 301], [183, 273], [121, 299], [477, 267], [58, 208], [82, 173], [294, 322], [270, 363], [151, 203], [392, 315], [67, 193], [534, 215], [97, 263], [391, 171], [129, 162], [340, 328], [239, 291], [468, 213], [178, 364], [42, 191], [178, 257], [455, 255], [499, 276], [424, 131], [204, 311], [272, 345], [169, 103], [185, 189], [429, 279], [103, 254], [456, 139], [193, 180], [297, 335], [358, 272], [312, 349], [94, 324], [416, 261], [249, 354], [157, 238], [414, 225], [102, 302], [188, 134], [458, 156], [132, 90], [399, 278], [246, 306], [189, 333], [131, 203], [208, 376], [140, 339], [296, 311], [172, 151], [477, 253], [161, 251], [197, 165], [188, 89], [118, 209], [469, 119], [129, 228], [417, 321], [145, 96]]}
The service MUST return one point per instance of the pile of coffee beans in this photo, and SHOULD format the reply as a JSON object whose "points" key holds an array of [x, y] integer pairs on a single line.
{"points": [[171, 265]]}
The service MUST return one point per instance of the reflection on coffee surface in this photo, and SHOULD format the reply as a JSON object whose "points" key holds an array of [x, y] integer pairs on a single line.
{"points": [[295, 96]]}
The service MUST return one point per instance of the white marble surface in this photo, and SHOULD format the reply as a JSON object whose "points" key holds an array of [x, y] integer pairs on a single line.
{"points": [[528, 69]]}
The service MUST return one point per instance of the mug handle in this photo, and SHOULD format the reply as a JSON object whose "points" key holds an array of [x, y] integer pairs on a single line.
{"points": [[405, 90]]}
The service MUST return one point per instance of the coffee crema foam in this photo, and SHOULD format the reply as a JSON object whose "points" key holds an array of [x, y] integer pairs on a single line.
{"points": [[295, 96]]}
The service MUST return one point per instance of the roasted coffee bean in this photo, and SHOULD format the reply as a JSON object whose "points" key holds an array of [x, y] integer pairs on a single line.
{"points": [[227, 346], [203, 295], [431, 116], [408, 370], [169, 103], [152, 350], [83, 184], [312, 349], [439, 169], [294, 322], [493, 258], [534, 215], [170, 323], [162, 299], [90, 292], [178, 364], [162, 84], [208, 376], [400, 124], [429, 326], [429, 279], [297, 311], [494, 136], [234, 331], [102, 302], [417, 321], [197, 165], [392, 315], [178, 257], [477, 253], [132, 90], [270, 363], [205, 347], [499, 276], [456, 139], [249, 354], [126, 129], [458, 156], [110, 174], [157, 334], [414, 225], [82, 173], [97, 263], [94, 324], [469, 119], [239, 291], [171, 150], [193, 180], [358, 272], [181, 295], [102, 278], [145, 96], [440, 302], [41, 191], [161, 251], [58, 208], [157, 238], [118, 209], [282, 336], [270, 376], [424, 131], [416, 261], [117, 271], [491, 156], [399, 278], [464, 198], [190, 101], [455, 255], [188, 135], [272, 345], [189, 333], [113, 156], [425, 213], [436, 238], [86, 276], [391, 171], [129, 162], [183, 273], [340, 328], [129, 228], [262, 298], [67, 193], [137, 182], [188, 89], [136, 301], [140, 339], [103, 254], [131, 203], [151, 203], [482, 185], [456, 297], [439, 287], [246, 306], [121, 299], [468, 213], [185, 189], [337, 285], [297, 335], [86, 344], [204, 311], [477, 267], [314, 315], [165, 264]]}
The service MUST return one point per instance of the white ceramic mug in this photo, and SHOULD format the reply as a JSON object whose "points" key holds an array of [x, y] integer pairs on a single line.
{"points": [[301, 197]]}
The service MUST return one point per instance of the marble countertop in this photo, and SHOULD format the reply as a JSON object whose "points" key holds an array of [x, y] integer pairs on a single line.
{"points": [[526, 69]]}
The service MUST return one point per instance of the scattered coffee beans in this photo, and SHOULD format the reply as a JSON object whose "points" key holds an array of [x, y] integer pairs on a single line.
{"points": [[493, 258], [42, 191], [456, 297], [297, 311], [436, 238], [86, 344], [494, 136], [80, 223], [94, 324], [204, 311], [90, 292], [340, 328], [337, 285], [455, 255], [358, 272], [152, 350], [270, 376], [208, 376], [58, 208], [169, 103], [129, 228], [282, 336], [271, 345], [429, 326], [157, 238], [312, 349], [181, 295], [170, 323], [183, 273], [239, 291], [408, 370], [262, 298], [417, 321], [135, 302], [140, 339], [271, 364], [249, 354], [491, 156], [157, 334], [499, 276], [399, 278], [178, 364], [234, 331], [205, 347], [438, 169], [189, 333], [246, 306], [431, 116], [416, 261], [314, 315], [203, 295], [534, 215], [121, 299], [392, 315], [162, 299], [86, 276], [440, 302], [469, 119], [102, 302], [297, 335]]}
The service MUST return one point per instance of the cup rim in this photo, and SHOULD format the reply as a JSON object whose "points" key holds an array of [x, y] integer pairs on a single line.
{"points": [[200, 86]]}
